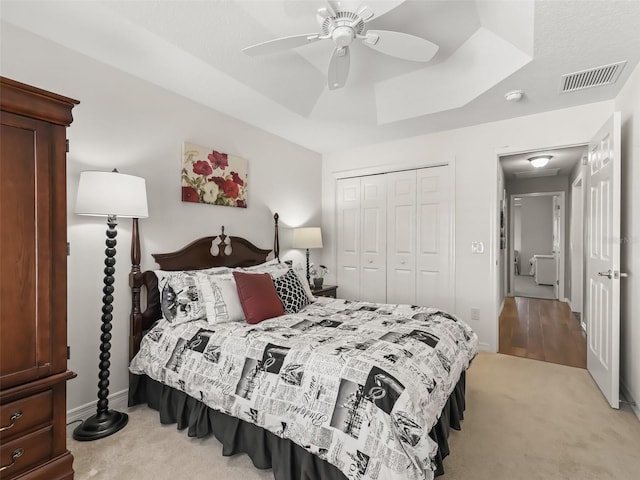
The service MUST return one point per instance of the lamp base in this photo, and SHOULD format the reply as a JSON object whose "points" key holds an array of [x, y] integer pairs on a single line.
{"points": [[100, 425]]}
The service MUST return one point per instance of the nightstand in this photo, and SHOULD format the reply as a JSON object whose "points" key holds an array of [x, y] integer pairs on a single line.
{"points": [[326, 291]]}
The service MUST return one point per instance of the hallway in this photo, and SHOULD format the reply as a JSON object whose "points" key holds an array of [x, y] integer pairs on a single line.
{"points": [[543, 330], [525, 286]]}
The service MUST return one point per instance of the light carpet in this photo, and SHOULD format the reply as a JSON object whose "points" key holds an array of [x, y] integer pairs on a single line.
{"points": [[526, 286], [525, 419]]}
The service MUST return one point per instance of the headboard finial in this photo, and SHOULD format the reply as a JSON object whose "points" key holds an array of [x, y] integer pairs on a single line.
{"points": [[223, 244], [276, 239]]}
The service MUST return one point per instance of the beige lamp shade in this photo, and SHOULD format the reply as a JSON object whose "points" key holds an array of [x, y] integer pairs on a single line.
{"points": [[307, 237], [111, 193]]}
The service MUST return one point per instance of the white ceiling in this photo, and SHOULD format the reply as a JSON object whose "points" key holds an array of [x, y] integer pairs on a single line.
{"points": [[563, 160], [487, 48]]}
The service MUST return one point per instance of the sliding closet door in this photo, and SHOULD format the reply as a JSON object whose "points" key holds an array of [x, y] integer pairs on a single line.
{"points": [[348, 241], [374, 239], [401, 237], [434, 261]]}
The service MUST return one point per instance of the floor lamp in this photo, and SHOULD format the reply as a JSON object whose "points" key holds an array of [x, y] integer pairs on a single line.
{"points": [[111, 195], [307, 237]]}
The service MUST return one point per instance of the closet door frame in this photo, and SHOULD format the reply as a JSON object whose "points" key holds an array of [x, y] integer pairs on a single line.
{"points": [[366, 171]]}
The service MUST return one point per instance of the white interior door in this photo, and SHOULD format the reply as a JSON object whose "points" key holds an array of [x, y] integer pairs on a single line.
{"points": [[603, 260], [434, 260], [348, 238], [401, 237], [373, 276]]}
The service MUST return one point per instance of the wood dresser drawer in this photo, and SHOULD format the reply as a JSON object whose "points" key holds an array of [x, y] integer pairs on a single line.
{"points": [[23, 453], [21, 415]]}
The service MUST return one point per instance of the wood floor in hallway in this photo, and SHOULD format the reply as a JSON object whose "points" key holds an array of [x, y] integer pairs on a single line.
{"points": [[542, 329]]}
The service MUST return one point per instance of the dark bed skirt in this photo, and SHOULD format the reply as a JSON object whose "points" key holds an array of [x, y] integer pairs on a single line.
{"points": [[266, 450]]}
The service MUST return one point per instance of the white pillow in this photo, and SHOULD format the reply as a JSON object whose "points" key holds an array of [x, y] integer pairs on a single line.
{"points": [[216, 270], [220, 298], [276, 269], [261, 266], [301, 273]]}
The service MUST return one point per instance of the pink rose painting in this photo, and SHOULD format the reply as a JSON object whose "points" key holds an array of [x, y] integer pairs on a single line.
{"points": [[213, 177]]}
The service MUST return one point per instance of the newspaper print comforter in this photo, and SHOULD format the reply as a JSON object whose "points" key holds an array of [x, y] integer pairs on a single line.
{"points": [[358, 384]]}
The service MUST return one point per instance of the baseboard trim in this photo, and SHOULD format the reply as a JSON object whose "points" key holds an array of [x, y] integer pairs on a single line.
{"points": [[573, 308], [485, 347], [117, 401], [627, 395]]}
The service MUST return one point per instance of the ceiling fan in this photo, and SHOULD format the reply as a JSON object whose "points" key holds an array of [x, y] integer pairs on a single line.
{"points": [[343, 26]]}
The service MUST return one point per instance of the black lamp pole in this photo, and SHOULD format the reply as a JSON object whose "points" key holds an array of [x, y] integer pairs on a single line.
{"points": [[308, 274], [105, 422]]}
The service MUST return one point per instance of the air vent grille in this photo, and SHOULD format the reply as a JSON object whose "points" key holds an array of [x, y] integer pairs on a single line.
{"points": [[593, 77]]}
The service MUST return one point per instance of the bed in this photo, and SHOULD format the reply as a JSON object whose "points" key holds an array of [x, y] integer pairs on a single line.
{"points": [[318, 389]]}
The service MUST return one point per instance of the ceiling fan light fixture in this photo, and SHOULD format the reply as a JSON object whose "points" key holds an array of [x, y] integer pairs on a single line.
{"points": [[540, 161]]}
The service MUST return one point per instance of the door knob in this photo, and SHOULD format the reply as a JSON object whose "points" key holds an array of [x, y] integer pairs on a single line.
{"points": [[615, 274]]}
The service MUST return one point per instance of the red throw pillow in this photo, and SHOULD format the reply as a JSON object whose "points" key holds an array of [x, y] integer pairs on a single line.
{"points": [[258, 296]]}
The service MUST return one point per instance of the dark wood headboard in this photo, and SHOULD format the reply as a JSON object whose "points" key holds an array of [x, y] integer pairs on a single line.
{"points": [[207, 252]]}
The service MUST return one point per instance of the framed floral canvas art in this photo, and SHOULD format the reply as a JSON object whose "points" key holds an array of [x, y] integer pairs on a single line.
{"points": [[213, 177]]}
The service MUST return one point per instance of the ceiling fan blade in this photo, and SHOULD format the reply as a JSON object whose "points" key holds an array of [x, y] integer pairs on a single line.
{"points": [[279, 44], [339, 68], [334, 6], [401, 45], [378, 9], [365, 13]]}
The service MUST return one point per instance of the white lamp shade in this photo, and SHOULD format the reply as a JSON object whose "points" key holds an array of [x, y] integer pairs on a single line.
{"points": [[307, 237], [111, 193]]}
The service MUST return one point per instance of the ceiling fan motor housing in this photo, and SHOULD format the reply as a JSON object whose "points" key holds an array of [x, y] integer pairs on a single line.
{"points": [[343, 18], [343, 36]]}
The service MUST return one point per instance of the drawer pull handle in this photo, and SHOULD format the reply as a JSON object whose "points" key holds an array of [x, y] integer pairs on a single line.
{"points": [[17, 453], [15, 416]]}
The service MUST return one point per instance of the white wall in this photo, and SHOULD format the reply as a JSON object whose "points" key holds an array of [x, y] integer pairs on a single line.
{"points": [[474, 152], [139, 128], [628, 102], [536, 228], [517, 227]]}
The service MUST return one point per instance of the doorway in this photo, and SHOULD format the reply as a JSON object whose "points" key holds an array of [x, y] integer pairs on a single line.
{"points": [[536, 242], [537, 320]]}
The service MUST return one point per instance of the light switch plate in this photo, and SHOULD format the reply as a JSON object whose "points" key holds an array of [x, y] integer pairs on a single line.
{"points": [[477, 247]]}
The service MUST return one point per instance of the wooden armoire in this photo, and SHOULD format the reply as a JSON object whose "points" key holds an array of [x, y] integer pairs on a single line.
{"points": [[33, 283]]}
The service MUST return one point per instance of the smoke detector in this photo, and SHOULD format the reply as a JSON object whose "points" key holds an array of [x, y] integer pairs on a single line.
{"points": [[514, 95]]}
